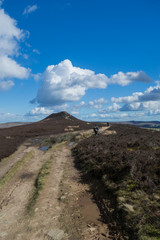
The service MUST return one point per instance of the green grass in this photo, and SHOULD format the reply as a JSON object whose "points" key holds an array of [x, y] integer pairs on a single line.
{"points": [[143, 217], [16, 167], [40, 182]]}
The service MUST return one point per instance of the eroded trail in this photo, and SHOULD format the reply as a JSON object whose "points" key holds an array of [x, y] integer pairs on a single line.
{"points": [[15, 194], [64, 208]]}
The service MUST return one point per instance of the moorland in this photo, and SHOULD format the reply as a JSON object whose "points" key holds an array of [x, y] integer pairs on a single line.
{"points": [[83, 186]]}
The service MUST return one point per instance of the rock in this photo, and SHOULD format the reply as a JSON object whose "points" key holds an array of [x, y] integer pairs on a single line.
{"points": [[128, 207], [58, 208], [63, 197], [3, 234], [55, 234]]}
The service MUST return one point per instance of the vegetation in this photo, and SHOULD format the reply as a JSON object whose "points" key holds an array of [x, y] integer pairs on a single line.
{"points": [[17, 166], [40, 182], [41, 179], [127, 167], [56, 123]]}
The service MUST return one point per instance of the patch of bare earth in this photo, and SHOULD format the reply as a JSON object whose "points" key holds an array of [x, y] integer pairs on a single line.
{"points": [[80, 217]]}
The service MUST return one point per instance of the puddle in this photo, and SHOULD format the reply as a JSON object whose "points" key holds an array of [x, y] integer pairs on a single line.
{"points": [[71, 143], [26, 175], [89, 209], [45, 148]]}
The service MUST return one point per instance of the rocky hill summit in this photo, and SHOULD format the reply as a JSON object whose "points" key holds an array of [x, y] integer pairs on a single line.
{"points": [[61, 116]]}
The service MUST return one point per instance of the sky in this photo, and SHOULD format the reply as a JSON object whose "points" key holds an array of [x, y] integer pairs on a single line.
{"points": [[99, 60]]}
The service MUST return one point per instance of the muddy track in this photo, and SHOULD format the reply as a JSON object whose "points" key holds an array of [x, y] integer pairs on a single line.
{"points": [[64, 209]]}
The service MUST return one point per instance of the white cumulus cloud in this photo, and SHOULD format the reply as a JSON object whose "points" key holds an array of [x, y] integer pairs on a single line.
{"points": [[114, 108], [151, 94], [11, 69], [97, 103], [10, 35], [124, 79], [128, 99], [6, 85], [138, 101], [141, 106], [65, 83], [39, 111], [30, 9], [135, 106]]}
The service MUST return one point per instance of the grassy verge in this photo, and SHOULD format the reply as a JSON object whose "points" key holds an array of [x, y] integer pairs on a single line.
{"points": [[16, 167], [40, 182]]}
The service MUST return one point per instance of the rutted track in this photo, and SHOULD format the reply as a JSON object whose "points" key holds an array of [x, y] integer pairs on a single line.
{"points": [[15, 194], [60, 211]]}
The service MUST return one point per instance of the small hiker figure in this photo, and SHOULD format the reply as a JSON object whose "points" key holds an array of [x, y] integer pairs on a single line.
{"points": [[96, 129]]}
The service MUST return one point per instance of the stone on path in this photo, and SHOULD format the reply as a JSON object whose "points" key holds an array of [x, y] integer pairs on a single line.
{"points": [[55, 234]]}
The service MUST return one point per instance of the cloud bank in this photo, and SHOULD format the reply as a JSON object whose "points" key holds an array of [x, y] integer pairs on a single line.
{"points": [[151, 94], [138, 101], [124, 79]]}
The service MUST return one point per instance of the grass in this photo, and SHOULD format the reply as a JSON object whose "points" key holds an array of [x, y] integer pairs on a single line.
{"points": [[42, 178], [40, 182], [16, 167]]}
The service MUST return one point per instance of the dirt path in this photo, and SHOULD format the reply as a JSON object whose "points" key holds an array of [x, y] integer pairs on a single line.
{"points": [[7, 163], [64, 209], [15, 194], [80, 216]]}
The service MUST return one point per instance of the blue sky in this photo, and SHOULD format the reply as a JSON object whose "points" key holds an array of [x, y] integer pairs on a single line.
{"points": [[98, 60]]}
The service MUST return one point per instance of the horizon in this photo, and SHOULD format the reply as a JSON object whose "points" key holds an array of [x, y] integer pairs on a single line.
{"points": [[81, 119], [96, 60]]}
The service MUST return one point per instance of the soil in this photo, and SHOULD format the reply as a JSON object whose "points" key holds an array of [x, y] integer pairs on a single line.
{"points": [[65, 208]]}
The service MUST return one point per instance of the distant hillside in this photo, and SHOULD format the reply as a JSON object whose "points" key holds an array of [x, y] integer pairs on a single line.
{"points": [[13, 124], [144, 124]]}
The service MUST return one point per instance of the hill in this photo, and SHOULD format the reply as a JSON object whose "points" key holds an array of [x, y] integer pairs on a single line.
{"points": [[115, 193], [55, 123]]}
